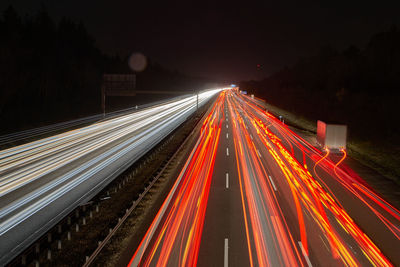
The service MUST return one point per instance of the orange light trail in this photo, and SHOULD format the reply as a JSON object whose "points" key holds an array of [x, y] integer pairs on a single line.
{"points": [[301, 181], [264, 146], [352, 182], [177, 228], [268, 238]]}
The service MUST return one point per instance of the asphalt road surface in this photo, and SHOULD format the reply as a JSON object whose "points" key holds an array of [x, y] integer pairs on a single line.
{"points": [[253, 193], [43, 181]]}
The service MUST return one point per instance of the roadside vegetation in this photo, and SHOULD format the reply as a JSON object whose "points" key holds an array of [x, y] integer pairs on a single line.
{"points": [[359, 87], [378, 157], [51, 71]]}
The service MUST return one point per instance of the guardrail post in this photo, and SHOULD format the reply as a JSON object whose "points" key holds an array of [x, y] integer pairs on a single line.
{"points": [[23, 260]]}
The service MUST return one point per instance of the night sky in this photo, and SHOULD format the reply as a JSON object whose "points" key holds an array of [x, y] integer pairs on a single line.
{"points": [[223, 41]]}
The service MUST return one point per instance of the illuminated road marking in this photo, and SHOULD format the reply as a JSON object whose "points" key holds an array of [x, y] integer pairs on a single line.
{"points": [[227, 151], [227, 126], [226, 253], [188, 202], [258, 152], [272, 182], [251, 137], [324, 242], [305, 254], [227, 135], [227, 180]]}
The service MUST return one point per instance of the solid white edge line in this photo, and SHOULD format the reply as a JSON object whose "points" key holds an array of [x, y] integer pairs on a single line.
{"points": [[304, 254], [227, 180], [272, 182], [226, 253]]}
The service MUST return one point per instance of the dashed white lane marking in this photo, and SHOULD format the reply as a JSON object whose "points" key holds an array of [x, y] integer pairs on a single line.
{"points": [[305, 254], [251, 137], [227, 151], [258, 152], [272, 182], [226, 253], [227, 126], [227, 180], [227, 135]]}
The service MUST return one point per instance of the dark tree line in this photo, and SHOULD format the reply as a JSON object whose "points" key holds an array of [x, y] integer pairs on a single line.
{"points": [[358, 87], [48, 70], [52, 71]]}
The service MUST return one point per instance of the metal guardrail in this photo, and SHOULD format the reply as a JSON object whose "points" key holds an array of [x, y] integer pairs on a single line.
{"points": [[18, 237], [137, 202]]}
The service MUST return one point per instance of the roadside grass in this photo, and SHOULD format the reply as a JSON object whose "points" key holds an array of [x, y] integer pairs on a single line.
{"points": [[383, 157]]}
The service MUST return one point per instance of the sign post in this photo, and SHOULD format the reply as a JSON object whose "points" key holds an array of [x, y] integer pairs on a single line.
{"points": [[197, 102]]}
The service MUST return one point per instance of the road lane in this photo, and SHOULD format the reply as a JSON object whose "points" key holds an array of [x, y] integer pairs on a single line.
{"points": [[377, 218], [224, 215], [274, 200], [42, 181], [268, 239], [174, 236], [348, 241]]}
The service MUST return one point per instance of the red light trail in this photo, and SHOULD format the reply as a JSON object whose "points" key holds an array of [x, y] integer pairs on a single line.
{"points": [[180, 221], [291, 215], [305, 185]]}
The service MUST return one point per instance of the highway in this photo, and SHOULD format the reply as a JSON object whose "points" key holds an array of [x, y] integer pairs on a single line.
{"points": [[253, 193], [43, 181]]}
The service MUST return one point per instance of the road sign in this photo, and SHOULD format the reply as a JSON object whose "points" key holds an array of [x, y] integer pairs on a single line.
{"points": [[117, 85]]}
